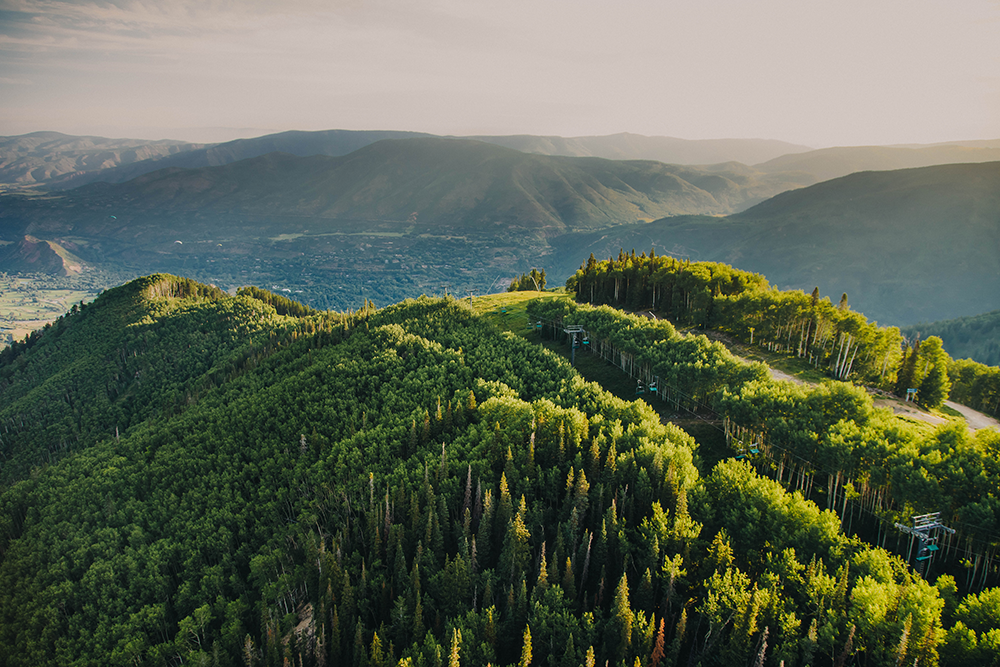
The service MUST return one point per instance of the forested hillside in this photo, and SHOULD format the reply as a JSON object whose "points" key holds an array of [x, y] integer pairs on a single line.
{"points": [[411, 486], [975, 337]]}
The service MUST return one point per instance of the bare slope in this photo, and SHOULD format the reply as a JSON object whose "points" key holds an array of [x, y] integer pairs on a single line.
{"points": [[32, 255], [46, 157]]}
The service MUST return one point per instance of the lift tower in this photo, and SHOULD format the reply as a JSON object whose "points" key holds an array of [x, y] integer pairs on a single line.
{"points": [[927, 529]]}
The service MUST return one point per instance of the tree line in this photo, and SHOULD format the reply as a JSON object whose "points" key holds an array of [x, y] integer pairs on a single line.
{"points": [[831, 337]]}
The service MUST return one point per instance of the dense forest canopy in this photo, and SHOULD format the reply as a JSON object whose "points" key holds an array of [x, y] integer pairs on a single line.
{"points": [[196, 478]]}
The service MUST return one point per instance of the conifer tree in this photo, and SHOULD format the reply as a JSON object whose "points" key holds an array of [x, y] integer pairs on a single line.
{"points": [[525, 660], [456, 641], [622, 619], [657, 655]]}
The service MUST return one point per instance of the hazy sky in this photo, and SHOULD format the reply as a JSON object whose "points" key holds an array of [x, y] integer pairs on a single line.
{"points": [[820, 73]]}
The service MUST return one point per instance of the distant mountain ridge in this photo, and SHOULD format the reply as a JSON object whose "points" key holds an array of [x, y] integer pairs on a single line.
{"points": [[335, 143], [303, 144], [435, 180], [828, 163], [65, 162], [48, 157], [628, 146]]}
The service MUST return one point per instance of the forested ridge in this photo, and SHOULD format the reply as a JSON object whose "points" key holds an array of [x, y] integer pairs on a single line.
{"points": [[411, 486], [711, 295]]}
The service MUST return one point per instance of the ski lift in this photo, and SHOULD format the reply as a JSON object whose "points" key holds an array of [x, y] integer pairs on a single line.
{"points": [[640, 388], [538, 324], [653, 384], [586, 340]]}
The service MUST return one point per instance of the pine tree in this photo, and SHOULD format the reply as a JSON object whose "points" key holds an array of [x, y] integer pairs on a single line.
{"points": [[907, 376], [526, 648], [657, 655], [622, 618], [934, 388], [456, 641], [675, 645], [376, 655]]}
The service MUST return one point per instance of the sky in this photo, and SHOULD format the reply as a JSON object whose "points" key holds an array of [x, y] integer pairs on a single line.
{"points": [[812, 72]]}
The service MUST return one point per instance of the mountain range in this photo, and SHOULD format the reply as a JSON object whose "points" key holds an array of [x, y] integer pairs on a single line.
{"points": [[441, 181], [62, 161], [81, 160], [828, 163]]}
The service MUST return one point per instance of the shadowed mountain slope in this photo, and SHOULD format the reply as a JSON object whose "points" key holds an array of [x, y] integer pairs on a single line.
{"points": [[907, 246]]}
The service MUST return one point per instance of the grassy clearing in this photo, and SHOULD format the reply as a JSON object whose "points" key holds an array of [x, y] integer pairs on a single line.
{"points": [[508, 310]]}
